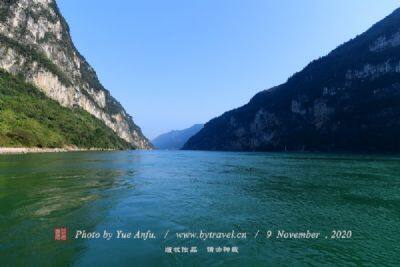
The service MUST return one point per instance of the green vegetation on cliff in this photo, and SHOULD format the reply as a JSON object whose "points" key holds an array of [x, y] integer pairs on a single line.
{"points": [[31, 119]]}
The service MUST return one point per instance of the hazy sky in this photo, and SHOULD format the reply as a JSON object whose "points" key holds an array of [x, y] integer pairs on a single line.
{"points": [[174, 63]]}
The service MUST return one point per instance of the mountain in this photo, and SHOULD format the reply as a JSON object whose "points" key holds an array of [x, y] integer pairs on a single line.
{"points": [[36, 48], [176, 139], [348, 100], [28, 118]]}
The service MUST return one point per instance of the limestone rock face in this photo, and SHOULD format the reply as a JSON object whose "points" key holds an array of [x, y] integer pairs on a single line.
{"points": [[35, 43], [348, 100]]}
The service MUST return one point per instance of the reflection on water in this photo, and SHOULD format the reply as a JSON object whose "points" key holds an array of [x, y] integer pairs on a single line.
{"points": [[182, 191], [39, 192]]}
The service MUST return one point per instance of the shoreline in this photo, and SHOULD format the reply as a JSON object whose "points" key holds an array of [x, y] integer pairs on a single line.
{"points": [[29, 150]]}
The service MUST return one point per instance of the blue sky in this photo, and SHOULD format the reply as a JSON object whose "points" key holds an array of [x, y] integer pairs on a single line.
{"points": [[175, 63]]}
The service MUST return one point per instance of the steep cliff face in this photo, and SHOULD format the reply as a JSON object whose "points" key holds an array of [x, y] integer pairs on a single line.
{"points": [[348, 100], [35, 44]]}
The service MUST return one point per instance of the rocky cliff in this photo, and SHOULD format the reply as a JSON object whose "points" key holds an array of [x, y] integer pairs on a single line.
{"points": [[35, 44], [348, 100]]}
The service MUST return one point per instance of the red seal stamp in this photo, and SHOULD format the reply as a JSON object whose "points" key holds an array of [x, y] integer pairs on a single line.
{"points": [[60, 234]]}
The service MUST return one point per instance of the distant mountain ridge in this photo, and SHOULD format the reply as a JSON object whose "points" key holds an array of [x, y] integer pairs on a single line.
{"points": [[175, 139], [348, 100]]}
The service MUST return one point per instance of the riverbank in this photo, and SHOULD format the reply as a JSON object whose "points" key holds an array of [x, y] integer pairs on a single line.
{"points": [[26, 150]]}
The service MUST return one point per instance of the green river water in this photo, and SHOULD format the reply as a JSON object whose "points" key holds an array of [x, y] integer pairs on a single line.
{"points": [[247, 201]]}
